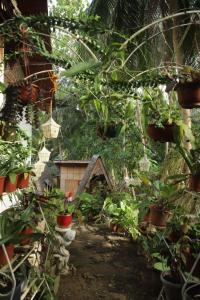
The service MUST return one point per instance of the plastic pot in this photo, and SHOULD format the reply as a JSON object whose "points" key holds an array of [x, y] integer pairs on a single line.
{"points": [[10, 252], [26, 241], [162, 134], [64, 220], [10, 186], [192, 291], [23, 181], [158, 216], [6, 288], [188, 94], [2, 184], [194, 183], [171, 288]]}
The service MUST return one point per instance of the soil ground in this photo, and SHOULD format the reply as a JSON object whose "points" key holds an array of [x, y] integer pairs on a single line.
{"points": [[107, 266]]}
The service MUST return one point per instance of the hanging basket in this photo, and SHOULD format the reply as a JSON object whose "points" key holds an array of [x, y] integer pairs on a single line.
{"points": [[28, 93], [50, 129], [189, 94], [162, 134], [38, 168], [44, 154]]}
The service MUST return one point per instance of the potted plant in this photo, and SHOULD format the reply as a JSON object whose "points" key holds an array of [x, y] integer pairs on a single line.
{"points": [[163, 117], [168, 261], [160, 211], [23, 176], [188, 88], [122, 209], [192, 159], [28, 92], [192, 291], [64, 218]]}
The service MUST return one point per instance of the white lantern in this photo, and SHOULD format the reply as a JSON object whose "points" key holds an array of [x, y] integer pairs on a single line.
{"points": [[144, 164], [44, 154], [38, 168], [50, 129]]}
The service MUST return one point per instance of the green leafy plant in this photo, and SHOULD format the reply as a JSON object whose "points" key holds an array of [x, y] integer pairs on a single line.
{"points": [[123, 210]]}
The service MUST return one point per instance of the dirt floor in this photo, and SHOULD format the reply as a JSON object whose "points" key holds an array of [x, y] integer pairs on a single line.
{"points": [[107, 266]]}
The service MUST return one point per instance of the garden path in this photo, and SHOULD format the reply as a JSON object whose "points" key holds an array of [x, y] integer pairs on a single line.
{"points": [[107, 266]]}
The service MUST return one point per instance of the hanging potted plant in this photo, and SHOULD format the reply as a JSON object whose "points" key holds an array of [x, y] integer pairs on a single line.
{"points": [[188, 88], [163, 117], [192, 159], [28, 92]]}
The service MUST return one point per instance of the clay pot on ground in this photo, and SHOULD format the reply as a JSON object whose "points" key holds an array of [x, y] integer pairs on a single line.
{"points": [[64, 221], [10, 187], [188, 94], [162, 134], [28, 93], [171, 287], [2, 184], [194, 183], [158, 216], [26, 231], [23, 181], [10, 252]]}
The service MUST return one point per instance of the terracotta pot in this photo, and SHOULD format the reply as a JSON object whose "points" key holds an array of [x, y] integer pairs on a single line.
{"points": [[64, 220], [10, 252], [2, 184], [158, 216], [9, 186], [162, 134], [23, 181], [189, 94], [27, 230], [28, 93], [194, 183]]}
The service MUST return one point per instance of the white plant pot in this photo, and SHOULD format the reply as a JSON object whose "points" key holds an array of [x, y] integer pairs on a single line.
{"points": [[50, 129]]}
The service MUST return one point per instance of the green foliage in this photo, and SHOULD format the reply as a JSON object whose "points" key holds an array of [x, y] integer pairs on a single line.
{"points": [[123, 209]]}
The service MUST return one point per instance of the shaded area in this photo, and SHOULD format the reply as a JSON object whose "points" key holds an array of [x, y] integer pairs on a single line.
{"points": [[107, 266]]}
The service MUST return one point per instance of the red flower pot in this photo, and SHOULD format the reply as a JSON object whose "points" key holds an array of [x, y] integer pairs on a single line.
{"points": [[2, 184], [189, 94], [10, 186], [158, 216], [23, 181], [10, 252], [162, 134], [28, 93], [27, 230], [194, 183], [64, 220]]}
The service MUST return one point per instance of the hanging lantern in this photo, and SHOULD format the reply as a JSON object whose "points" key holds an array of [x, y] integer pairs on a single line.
{"points": [[50, 129], [144, 164], [44, 155], [38, 168]]}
